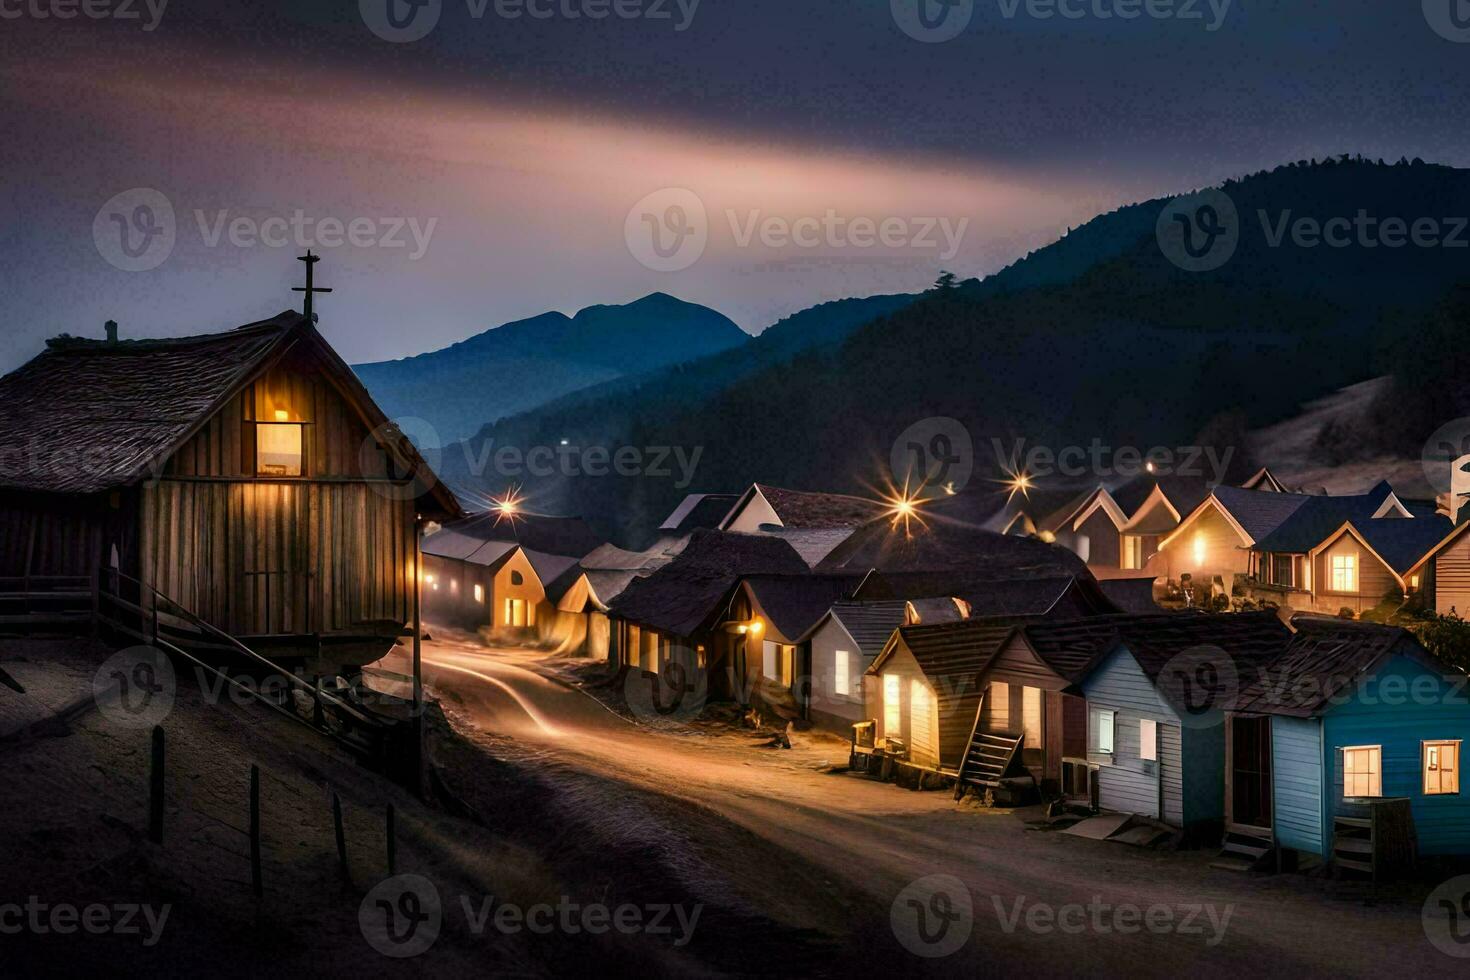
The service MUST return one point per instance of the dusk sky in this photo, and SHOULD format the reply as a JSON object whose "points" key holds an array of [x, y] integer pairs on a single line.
{"points": [[505, 154]]}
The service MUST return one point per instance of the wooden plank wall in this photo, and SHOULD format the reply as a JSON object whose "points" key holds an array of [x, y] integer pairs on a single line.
{"points": [[272, 558]]}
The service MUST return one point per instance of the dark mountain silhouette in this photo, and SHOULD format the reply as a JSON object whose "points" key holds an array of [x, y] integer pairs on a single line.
{"points": [[1096, 337], [523, 364]]}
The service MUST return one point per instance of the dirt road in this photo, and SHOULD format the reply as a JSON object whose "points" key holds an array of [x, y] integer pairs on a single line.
{"points": [[850, 861]]}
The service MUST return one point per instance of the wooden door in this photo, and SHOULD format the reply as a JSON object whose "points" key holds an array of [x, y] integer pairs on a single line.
{"points": [[274, 562]]}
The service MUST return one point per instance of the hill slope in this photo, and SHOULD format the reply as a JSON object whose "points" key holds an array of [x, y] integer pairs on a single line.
{"points": [[1097, 337], [526, 363]]}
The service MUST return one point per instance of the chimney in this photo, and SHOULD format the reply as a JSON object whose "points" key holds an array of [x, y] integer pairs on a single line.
{"points": [[111, 327]]}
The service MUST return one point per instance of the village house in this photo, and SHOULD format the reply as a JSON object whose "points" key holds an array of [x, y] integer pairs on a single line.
{"points": [[813, 523], [1350, 552], [1155, 734], [1353, 730], [843, 643], [243, 477], [692, 612], [518, 576], [1213, 544]]}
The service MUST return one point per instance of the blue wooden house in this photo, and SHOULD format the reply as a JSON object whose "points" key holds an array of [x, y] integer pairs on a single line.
{"points": [[1156, 694], [1355, 720]]}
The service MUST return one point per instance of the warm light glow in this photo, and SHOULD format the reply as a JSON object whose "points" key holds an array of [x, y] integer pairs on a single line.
{"points": [[278, 449], [479, 593], [1149, 466], [1199, 550], [757, 627], [282, 415]]}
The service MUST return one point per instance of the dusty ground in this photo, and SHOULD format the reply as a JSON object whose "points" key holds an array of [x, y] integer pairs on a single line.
{"points": [[707, 810]]}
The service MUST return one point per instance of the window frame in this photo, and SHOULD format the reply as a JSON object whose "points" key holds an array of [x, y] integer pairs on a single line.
{"points": [[1438, 744], [262, 429], [1349, 570], [1372, 775], [1111, 716], [892, 706], [842, 673], [1148, 746]]}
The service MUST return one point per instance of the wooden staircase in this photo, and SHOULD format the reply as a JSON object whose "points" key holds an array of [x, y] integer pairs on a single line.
{"points": [[1245, 850], [988, 758]]}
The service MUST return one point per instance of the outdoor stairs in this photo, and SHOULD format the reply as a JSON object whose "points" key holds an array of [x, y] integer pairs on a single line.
{"points": [[1352, 844], [989, 758], [1244, 851]]}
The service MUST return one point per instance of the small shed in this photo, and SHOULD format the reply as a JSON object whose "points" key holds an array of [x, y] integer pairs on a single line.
{"points": [[842, 645], [1351, 714], [1155, 707]]}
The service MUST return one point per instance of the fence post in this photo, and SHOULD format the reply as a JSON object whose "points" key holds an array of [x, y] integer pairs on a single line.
{"points": [[341, 836], [155, 788], [255, 880], [392, 840]]}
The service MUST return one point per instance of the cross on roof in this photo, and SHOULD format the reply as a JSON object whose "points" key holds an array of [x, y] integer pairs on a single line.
{"points": [[309, 289]]}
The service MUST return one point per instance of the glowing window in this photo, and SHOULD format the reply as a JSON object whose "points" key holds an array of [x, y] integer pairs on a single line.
{"points": [[768, 660], [842, 673], [1441, 768], [1344, 573], [278, 449], [1199, 550], [1132, 551], [1148, 738], [892, 706], [479, 593], [1362, 770], [515, 613]]}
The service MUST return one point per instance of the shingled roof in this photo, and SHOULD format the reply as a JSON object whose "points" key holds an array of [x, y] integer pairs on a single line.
{"points": [[940, 544], [1401, 541], [1053, 596], [794, 603], [870, 624], [1259, 512], [568, 536], [683, 595], [1072, 648], [1325, 658], [699, 510], [954, 652], [92, 415]]}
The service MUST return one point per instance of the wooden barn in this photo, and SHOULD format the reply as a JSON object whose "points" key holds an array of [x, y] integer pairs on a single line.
{"points": [[245, 476]]}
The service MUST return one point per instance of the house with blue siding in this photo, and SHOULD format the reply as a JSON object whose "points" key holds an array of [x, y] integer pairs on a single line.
{"points": [[1351, 716], [1156, 692]]}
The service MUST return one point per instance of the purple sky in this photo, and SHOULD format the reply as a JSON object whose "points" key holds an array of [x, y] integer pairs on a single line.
{"points": [[832, 154]]}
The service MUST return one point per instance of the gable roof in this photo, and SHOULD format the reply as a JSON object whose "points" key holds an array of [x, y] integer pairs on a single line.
{"points": [[1074, 648], [1264, 479], [97, 415], [870, 624], [683, 595], [1402, 542], [1184, 493], [958, 650], [1055, 596], [809, 510], [699, 510], [795, 603], [1324, 658]]}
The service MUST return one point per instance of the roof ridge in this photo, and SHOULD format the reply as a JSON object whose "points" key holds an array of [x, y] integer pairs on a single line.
{"points": [[65, 343]]}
